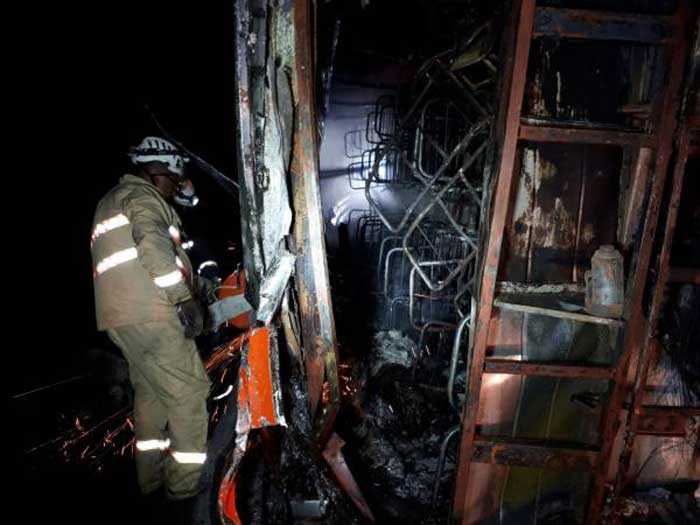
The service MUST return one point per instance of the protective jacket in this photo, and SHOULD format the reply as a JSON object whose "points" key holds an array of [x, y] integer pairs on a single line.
{"points": [[140, 270]]}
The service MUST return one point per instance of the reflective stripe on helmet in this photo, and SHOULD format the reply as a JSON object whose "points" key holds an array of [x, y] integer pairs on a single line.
{"points": [[206, 264], [116, 259]]}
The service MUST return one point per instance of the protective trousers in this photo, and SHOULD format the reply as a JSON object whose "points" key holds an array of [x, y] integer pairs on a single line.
{"points": [[170, 413]]}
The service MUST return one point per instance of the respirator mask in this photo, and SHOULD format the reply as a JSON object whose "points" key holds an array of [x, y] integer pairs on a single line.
{"points": [[185, 195]]}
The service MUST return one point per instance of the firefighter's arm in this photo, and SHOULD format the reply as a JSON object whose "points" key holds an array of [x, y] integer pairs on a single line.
{"points": [[206, 288], [155, 246]]}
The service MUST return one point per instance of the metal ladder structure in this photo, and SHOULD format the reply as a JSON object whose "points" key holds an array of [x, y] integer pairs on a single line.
{"points": [[663, 420], [530, 22]]}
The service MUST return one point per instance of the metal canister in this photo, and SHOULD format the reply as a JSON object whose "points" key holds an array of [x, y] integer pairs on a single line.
{"points": [[605, 287]]}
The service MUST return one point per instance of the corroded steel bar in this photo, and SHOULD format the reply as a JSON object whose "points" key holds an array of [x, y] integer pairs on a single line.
{"points": [[318, 326], [604, 25], [501, 199], [641, 421], [550, 455], [537, 133], [675, 58], [548, 369]]}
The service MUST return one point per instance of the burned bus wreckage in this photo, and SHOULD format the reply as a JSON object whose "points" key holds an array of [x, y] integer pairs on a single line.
{"points": [[471, 242]]}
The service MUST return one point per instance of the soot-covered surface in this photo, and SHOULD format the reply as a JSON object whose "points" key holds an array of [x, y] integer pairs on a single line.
{"points": [[394, 428]]}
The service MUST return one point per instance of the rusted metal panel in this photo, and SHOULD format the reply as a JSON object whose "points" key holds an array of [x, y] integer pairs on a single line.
{"points": [[604, 105], [663, 410], [505, 333], [560, 90], [675, 59], [661, 423], [603, 25], [564, 208], [536, 133], [541, 239], [490, 263], [333, 455], [547, 369], [534, 453], [554, 213], [318, 325], [655, 420]]}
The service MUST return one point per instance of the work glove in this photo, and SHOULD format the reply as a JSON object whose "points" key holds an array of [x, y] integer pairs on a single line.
{"points": [[206, 288], [191, 317]]}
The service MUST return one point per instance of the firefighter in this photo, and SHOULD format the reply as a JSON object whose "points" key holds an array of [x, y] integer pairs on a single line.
{"points": [[147, 299]]}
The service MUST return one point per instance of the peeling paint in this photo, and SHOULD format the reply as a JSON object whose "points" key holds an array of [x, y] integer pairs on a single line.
{"points": [[553, 229]]}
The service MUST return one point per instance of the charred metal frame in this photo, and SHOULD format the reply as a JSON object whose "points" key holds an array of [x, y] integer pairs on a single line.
{"points": [[313, 288], [529, 22], [250, 228], [660, 420], [581, 23], [534, 453], [397, 159]]}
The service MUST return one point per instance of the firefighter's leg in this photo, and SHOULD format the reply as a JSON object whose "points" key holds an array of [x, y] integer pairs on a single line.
{"points": [[182, 384], [150, 414]]}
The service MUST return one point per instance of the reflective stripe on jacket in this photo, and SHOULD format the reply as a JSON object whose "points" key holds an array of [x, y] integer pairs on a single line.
{"points": [[140, 271]]}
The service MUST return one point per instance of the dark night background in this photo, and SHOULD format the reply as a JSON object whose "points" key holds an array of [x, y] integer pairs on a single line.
{"points": [[81, 90], [79, 77]]}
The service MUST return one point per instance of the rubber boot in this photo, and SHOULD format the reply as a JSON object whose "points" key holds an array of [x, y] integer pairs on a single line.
{"points": [[153, 507], [180, 511]]}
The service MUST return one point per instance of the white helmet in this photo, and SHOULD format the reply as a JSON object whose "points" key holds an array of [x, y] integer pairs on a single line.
{"points": [[156, 149]]}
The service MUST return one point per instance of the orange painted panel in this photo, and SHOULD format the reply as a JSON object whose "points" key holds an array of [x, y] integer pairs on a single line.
{"points": [[262, 407], [227, 500], [256, 387]]}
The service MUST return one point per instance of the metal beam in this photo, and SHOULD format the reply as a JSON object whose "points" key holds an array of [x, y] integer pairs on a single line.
{"points": [[663, 421], [534, 453], [525, 10], [601, 25], [636, 335], [518, 303], [585, 136], [547, 369], [318, 325], [250, 214]]}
